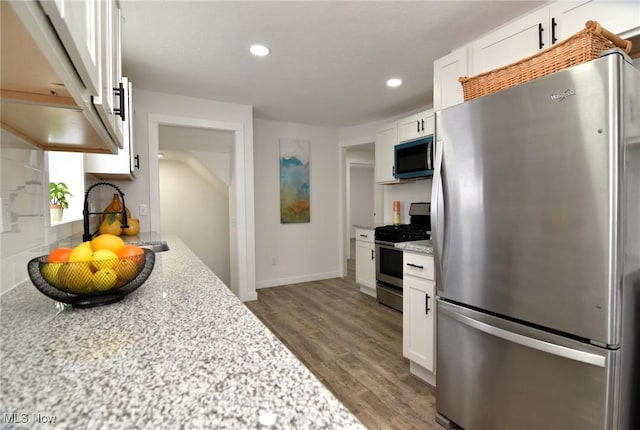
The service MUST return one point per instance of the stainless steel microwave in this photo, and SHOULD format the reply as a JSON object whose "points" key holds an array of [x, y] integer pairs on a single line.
{"points": [[414, 159]]}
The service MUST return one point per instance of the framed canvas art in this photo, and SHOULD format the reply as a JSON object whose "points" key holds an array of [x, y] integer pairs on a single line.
{"points": [[294, 181]]}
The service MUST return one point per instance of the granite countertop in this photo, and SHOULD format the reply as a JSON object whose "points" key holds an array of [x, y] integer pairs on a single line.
{"points": [[181, 351], [419, 246], [366, 227]]}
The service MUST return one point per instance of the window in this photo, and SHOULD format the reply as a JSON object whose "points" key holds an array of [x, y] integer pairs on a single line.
{"points": [[68, 167]]}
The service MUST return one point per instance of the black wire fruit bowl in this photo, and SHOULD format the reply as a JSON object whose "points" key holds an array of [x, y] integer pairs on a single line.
{"points": [[86, 284]]}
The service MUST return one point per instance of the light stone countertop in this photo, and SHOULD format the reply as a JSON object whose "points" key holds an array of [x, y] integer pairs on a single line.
{"points": [[419, 246], [179, 352]]}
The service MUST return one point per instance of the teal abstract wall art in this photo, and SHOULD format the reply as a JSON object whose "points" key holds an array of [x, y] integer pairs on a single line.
{"points": [[294, 181]]}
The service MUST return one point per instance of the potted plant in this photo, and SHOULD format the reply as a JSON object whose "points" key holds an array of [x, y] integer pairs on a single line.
{"points": [[58, 193]]}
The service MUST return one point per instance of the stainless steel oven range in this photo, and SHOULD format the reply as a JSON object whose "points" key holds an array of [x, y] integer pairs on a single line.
{"points": [[389, 259]]}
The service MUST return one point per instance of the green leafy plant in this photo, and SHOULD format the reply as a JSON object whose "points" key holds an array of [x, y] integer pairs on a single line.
{"points": [[58, 193]]}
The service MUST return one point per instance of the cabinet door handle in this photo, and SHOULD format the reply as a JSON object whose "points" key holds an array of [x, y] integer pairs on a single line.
{"points": [[422, 122], [373, 256], [137, 164], [540, 42], [554, 24], [418, 124], [119, 91], [415, 265], [426, 304]]}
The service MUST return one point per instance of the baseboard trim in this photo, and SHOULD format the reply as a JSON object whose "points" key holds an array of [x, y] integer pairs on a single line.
{"points": [[297, 279], [422, 373]]}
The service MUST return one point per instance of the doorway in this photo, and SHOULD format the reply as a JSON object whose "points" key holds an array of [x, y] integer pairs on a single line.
{"points": [[360, 190], [198, 160], [240, 201]]}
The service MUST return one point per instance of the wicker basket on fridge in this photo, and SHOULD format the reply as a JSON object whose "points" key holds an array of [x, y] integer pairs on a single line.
{"points": [[585, 45]]}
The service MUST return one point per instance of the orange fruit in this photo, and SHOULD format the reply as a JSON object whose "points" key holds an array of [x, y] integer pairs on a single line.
{"points": [[125, 270], [133, 253], [107, 241], [59, 255]]}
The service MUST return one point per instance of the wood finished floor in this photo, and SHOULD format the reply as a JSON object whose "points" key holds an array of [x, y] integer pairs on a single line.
{"points": [[353, 345]]}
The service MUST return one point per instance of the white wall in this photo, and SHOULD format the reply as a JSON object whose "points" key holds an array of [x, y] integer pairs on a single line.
{"points": [[405, 193], [306, 251], [200, 217]]}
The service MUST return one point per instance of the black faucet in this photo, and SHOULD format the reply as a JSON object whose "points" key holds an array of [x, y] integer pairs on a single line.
{"points": [[85, 212]]}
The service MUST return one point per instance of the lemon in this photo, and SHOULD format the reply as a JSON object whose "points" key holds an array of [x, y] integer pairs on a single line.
{"points": [[76, 277], [104, 258], [82, 252], [49, 272], [107, 241], [104, 279], [126, 270]]}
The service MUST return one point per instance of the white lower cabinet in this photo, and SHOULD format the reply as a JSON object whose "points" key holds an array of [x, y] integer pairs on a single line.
{"points": [[366, 261], [419, 315]]}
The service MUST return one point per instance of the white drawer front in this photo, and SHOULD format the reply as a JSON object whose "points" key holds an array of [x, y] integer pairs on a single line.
{"points": [[418, 265], [364, 235]]}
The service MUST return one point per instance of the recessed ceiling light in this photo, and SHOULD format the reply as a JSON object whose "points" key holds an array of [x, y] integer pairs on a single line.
{"points": [[259, 50], [160, 154], [395, 82]]}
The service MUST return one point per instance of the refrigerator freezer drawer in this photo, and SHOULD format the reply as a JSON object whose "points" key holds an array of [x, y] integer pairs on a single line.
{"points": [[495, 374]]}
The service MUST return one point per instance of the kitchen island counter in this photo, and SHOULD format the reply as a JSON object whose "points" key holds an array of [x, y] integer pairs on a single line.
{"points": [[181, 351]]}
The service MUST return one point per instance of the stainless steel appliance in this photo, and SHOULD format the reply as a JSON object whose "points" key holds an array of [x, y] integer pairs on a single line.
{"points": [[389, 259], [536, 209], [414, 159]]}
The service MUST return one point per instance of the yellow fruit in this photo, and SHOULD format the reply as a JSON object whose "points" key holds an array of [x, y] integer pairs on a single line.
{"points": [[126, 270], [108, 241], [104, 258], [134, 227], [76, 277], [104, 279], [111, 225], [49, 272], [82, 252]]}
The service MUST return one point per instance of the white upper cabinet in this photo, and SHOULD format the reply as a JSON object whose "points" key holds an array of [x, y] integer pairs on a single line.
{"points": [[447, 90], [416, 126], [527, 36], [617, 17], [123, 165], [54, 63], [108, 100], [386, 139], [515, 41], [542, 28], [77, 24]]}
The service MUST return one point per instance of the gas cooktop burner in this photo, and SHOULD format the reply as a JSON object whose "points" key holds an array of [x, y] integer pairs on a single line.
{"points": [[418, 229]]}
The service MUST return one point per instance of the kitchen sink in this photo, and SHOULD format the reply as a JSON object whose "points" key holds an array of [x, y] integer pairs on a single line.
{"points": [[154, 245]]}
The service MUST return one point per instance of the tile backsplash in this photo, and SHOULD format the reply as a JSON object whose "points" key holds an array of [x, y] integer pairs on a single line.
{"points": [[25, 230]]}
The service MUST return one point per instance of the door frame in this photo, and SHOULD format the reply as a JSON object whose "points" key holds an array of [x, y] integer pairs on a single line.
{"points": [[241, 217]]}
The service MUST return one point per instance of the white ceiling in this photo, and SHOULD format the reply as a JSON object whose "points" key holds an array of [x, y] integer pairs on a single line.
{"points": [[329, 60]]}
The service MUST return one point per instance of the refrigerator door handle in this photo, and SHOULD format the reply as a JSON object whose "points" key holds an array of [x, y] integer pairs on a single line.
{"points": [[437, 213], [561, 351]]}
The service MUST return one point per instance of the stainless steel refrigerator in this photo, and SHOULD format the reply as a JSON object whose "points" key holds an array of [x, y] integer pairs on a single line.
{"points": [[536, 231]]}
